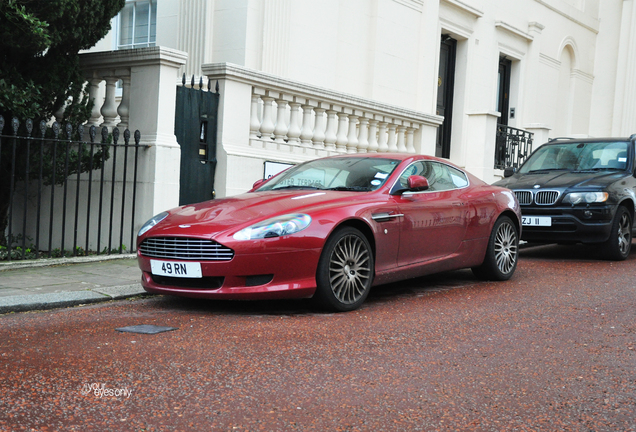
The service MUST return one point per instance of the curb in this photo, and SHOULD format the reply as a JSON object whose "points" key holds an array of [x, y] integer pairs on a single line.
{"points": [[46, 262], [33, 302]]}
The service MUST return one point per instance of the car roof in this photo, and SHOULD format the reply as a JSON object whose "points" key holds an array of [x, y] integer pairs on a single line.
{"points": [[565, 140], [396, 156]]}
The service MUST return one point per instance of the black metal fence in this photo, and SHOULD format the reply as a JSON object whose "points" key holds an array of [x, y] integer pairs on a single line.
{"points": [[66, 187], [513, 146]]}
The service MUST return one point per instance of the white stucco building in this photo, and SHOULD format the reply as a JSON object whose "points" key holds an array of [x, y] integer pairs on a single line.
{"points": [[299, 79]]}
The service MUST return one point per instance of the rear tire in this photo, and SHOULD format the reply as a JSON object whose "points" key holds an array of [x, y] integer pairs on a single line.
{"points": [[619, 244], [502, 252], [345, 271]]}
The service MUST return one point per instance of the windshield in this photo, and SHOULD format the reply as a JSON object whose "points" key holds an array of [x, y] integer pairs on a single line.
{"points": [[578, 157], [349, 174]]}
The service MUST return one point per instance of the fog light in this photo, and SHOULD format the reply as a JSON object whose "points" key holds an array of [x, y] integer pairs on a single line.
{"points": [[587, 214]]}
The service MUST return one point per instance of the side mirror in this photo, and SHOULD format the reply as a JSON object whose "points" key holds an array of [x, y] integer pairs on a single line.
{"points": [[508, 172], [417, 183], [258, 183]]}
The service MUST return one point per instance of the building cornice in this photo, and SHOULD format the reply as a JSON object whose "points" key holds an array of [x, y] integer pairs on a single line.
{"points": [[477, 13], [573, 14], [133, 57]]}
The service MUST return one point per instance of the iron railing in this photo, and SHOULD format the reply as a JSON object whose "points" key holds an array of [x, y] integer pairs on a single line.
{"points": [[512, 147], [61, 188]]}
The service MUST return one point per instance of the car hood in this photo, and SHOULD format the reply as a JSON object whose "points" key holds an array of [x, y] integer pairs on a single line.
{"points": [[234, 213], [561, 180]]}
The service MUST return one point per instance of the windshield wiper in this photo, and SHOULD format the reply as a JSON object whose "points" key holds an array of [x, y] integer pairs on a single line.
{"points": [[599, 169], [294, 187], [347, 188], [548, 169]]}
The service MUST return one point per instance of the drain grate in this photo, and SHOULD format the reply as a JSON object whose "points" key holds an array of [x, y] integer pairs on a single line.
{"points": [[145, 329]]}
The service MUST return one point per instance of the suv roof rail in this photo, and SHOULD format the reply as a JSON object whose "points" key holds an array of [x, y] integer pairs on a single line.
{"points": [[559, 139], [633, 137]]}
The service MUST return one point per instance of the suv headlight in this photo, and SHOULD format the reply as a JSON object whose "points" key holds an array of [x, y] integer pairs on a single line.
{"points": [[275, 227], [152, 222], [585, 197]]}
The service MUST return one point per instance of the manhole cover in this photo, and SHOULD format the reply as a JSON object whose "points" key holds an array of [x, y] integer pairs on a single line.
{"points": [[145, 329]]}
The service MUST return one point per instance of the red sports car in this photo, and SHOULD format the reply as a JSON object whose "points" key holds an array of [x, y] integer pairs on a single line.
{"points": [[330, 229]]}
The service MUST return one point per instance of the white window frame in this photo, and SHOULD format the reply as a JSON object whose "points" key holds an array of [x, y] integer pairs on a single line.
{"points": [[148, 43]]}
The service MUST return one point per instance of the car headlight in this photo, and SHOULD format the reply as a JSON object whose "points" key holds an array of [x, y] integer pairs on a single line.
{"points": [[152, 222], [585, 197], [275, 227]]}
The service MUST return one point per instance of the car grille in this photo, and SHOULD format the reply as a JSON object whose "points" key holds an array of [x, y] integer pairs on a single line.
{"points": [[547, 197], [185, 249], [541, 197], [524, 197]]}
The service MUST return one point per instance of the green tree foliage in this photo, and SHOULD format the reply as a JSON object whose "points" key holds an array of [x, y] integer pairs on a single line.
{"points": [[39, 45], [39, 67]]}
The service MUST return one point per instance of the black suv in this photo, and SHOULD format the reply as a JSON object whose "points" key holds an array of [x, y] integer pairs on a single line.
{"points": [[578, 191]]}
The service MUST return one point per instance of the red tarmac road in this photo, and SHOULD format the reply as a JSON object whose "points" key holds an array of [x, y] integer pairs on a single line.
{"points": [[552, 349]]}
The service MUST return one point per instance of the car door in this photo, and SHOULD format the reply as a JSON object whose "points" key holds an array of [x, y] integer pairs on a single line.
{"points": [[434, 221]]}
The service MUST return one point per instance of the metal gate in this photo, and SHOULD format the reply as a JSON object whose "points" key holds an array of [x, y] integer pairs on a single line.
{"points": [[195, 129]]}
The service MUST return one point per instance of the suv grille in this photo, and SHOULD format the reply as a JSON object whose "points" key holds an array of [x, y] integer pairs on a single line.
{"points": [[524, 197], [546, 197], [185, 249]]}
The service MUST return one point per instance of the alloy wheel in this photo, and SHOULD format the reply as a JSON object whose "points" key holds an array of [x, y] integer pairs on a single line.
{"points": [[349, 269], [506, 248], [624, 234]]}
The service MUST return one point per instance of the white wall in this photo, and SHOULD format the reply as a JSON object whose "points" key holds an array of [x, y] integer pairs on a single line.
{"points": [[568, 73]]}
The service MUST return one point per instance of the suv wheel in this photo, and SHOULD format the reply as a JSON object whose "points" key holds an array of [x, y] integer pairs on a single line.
{"points": [[619, 244]]}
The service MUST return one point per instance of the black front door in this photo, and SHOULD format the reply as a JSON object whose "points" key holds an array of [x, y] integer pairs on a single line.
{"points": [[446, 84], [195, 129], [502, 154], [503, 84]]}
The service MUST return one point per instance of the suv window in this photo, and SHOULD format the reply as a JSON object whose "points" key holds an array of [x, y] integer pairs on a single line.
{"points": [[578, 156]]}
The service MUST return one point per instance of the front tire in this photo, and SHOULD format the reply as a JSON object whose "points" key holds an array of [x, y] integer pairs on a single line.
{"points": [[619, 244], [502, 252], [345, 271]]}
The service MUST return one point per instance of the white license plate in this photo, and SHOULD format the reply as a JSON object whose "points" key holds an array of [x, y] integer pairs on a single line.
{"points": [[176, 269], [536, 221]]}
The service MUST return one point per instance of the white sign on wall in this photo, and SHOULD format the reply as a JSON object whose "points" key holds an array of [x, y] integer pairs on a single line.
{"points": [[273, 168]]}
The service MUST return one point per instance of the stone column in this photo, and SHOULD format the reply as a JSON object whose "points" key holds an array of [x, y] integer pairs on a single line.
{"points": [[267, 126], [363, 138], [373, 136], [255, 122], [352, 138], [330, 132], [124, 106], [341, 136], [109, 109], [307, 131], [319, 128], [294, 128], [383, 146]]}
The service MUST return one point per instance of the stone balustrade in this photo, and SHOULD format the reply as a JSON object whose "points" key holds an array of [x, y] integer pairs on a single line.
{"points": [[280, 120], [109, 109], [302, 119]]}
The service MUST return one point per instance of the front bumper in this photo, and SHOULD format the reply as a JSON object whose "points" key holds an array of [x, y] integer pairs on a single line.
{"points": [[289, 274], [570, 224]]}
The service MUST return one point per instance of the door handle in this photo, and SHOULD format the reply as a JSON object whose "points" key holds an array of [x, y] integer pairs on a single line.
{"points": [[385, 216]]}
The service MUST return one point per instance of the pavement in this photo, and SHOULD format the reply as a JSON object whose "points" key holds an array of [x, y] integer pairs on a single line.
{"points": [[62, 282]]}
